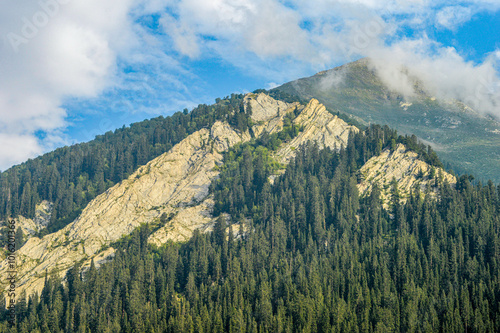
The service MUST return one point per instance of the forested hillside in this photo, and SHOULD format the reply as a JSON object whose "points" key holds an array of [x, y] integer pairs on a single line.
{"points": [[72, 176], [310, 254]]}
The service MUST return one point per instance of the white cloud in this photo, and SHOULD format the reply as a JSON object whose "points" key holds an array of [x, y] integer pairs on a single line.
{"points": [[53, 49], [184, 37], [442, 71], [453, 16], [264, 28], [58, 49], [15, 148]]}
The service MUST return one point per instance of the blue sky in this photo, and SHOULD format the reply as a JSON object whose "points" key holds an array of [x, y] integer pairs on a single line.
{"points": [[73, 69]]}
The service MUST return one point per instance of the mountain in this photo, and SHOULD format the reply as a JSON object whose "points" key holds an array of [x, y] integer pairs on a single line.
{"points": [[466, 141], [175, 187], [256, 213]]}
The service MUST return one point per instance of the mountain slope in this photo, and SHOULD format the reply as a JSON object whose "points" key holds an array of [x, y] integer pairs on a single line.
{"points": [[169, 183], [165, 185], [318, 259], [171, 192], [70, 177], [300, 240], [466, 140]]}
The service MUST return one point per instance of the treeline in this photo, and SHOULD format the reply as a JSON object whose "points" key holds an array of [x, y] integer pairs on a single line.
{"points": [[72, 176], [309, 255]]}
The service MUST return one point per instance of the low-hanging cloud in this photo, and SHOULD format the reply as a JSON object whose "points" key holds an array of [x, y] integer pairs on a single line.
{"points": [[337, 31], [58, 49], [440, 72]]}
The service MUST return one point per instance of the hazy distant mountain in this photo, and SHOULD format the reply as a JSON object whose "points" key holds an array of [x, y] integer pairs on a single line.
{"points": [[463, 138]]}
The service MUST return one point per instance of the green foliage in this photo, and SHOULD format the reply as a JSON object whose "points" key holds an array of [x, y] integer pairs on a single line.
{"points": [[315, 257], [243, 177], [19, 238], [310, 256]]}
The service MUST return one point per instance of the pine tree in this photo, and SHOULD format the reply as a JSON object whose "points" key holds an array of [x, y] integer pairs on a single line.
{"points": [[19, 238]]}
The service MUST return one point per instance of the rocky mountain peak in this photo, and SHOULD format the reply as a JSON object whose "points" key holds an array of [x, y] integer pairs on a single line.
{"points": [[317, 125], [264, 107]]}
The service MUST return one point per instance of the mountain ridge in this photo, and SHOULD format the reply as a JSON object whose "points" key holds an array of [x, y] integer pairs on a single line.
{"points": [[173, 189], [260, 213], [466, 140]]}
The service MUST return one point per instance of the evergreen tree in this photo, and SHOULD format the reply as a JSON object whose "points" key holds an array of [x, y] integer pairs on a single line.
{"points": [[19, 238]]}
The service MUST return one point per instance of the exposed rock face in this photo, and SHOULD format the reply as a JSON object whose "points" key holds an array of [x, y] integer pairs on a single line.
{"points": [[30, 227], [42, 214], [264, 107], [168, 184], [43, 211], [318, 125], [183, 224], [268, 113], [403, 166]]}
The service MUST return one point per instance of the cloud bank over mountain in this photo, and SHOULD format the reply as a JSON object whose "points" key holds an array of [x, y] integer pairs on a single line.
{"points": [[56, 50]]}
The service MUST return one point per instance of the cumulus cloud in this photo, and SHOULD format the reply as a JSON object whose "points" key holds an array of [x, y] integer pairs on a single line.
{"points": [[184, 37], [337, 31], [55, 50], [264, 28], [52, 49]]}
